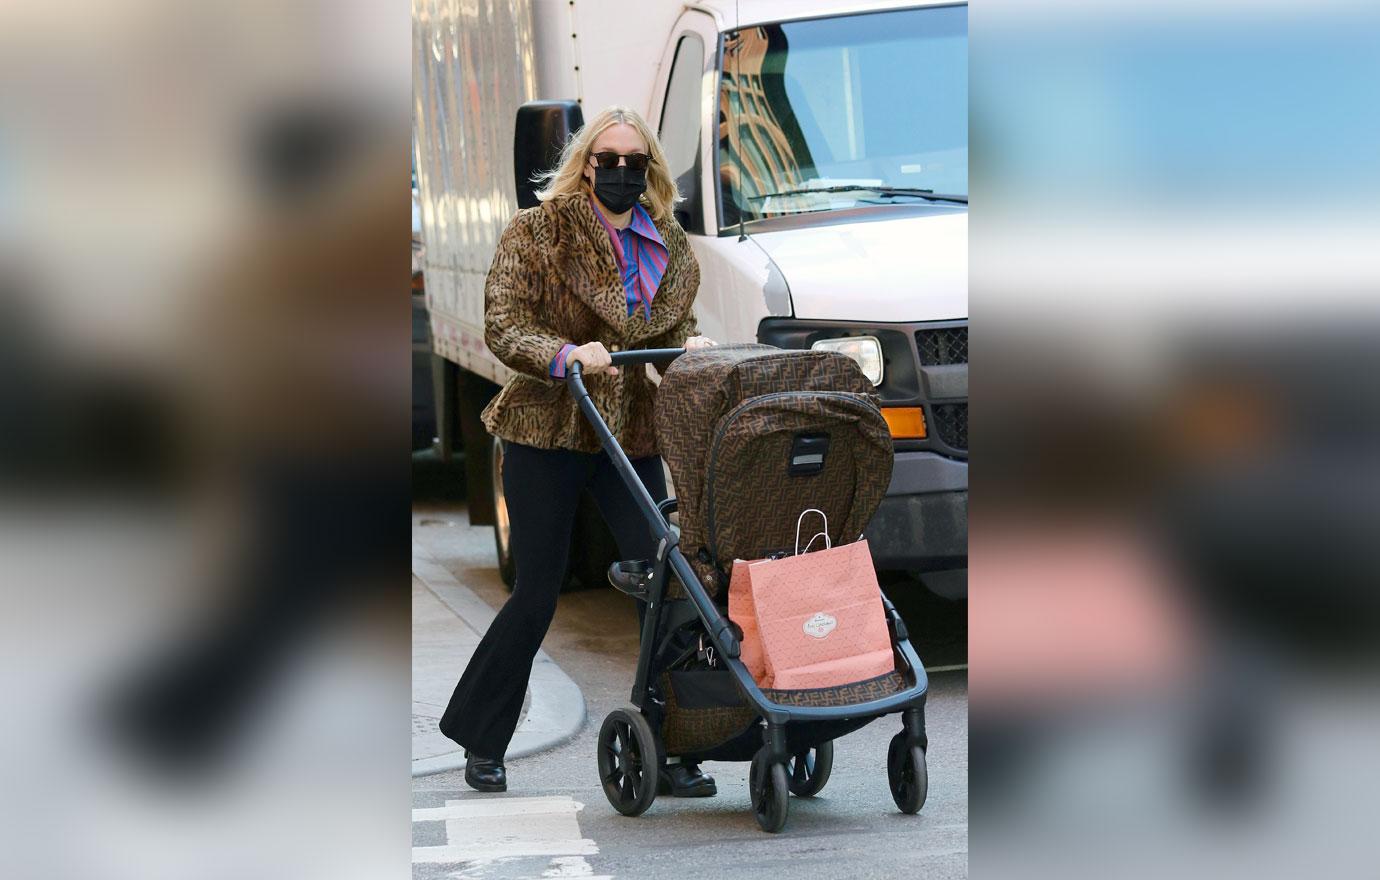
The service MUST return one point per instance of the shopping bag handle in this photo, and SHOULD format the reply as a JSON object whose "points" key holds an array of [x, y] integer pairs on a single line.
{"points": [[828, 545]]}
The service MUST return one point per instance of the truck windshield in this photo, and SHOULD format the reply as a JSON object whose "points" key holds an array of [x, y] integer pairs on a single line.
{"points": [[840, 112]]}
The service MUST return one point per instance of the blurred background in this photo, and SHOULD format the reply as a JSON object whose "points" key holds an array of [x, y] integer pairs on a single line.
{"points": [[1174, 572], [203, 419]]}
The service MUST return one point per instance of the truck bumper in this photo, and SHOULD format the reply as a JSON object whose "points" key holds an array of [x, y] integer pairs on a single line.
{"points": [[922, 523]]}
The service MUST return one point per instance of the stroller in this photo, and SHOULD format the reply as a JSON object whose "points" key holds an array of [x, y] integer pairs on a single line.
{"points": [[752, 434]]}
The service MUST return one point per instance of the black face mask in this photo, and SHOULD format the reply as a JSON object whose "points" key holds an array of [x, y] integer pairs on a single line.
{"points": [[618, 188]]}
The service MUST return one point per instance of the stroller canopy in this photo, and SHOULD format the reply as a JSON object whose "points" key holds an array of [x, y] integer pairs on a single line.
{"points": [[755, 435]]}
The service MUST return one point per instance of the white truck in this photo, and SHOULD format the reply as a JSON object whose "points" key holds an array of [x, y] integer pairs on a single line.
{"points": [[822, 150]]}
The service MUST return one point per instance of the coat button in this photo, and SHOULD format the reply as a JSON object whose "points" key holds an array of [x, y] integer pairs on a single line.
{"points": [[615, 347]]}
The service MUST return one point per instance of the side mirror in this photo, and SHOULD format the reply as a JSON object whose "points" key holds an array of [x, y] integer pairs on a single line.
{"points": [[543, 127]]}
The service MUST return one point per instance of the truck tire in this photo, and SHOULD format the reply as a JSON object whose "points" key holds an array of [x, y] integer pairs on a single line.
{"points": [[462, 416], [502, 531]]}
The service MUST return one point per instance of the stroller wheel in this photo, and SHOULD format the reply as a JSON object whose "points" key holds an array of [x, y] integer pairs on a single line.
{"points": [[628, 761], [906, 771], [810, 770], [767, 784]]}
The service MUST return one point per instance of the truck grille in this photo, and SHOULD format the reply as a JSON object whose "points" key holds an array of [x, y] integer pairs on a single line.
{"points": [[951, 423], [942, 346]]}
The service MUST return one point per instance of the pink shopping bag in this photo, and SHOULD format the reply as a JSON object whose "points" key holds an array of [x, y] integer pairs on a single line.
{"points": [[742, 611], [811, 620]]}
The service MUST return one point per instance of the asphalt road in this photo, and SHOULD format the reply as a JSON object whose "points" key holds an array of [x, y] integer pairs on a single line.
{"points": [[851, 829]]}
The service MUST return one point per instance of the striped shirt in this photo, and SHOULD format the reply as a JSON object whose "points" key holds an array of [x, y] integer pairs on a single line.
{"points": [[641, 256]]}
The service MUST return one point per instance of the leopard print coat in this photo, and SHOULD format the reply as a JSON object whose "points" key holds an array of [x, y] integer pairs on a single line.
{"points": [[554, 280]]}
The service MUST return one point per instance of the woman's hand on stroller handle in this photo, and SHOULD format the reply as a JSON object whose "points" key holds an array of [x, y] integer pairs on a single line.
{"points": [[575, 361], [591, 358]]}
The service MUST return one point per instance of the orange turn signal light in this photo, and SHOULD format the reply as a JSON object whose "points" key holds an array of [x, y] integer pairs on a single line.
{"points": [[905, 422]]}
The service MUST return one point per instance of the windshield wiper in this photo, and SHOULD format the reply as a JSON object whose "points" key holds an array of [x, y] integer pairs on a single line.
{"points": [[880, 190]]}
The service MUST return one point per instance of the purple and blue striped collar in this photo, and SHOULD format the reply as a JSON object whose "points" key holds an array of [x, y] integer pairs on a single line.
{"points": [[649, 256]]}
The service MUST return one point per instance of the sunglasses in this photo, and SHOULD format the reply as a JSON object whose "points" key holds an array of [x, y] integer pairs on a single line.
{"points": [[608, 159]]}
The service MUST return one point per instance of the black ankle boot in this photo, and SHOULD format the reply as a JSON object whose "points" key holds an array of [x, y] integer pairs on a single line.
{"points": [[485, 774], [685, 780]]}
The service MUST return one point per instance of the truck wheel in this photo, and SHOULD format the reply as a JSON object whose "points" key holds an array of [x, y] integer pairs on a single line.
{"points": [[503, 536], [474, 442]]}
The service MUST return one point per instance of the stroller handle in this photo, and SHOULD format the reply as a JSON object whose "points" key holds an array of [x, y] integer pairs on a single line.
{"points": [[646, 356], [633, 357]]}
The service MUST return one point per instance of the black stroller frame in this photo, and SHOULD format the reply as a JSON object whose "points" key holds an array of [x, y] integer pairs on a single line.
{"points": [[769, 779]]}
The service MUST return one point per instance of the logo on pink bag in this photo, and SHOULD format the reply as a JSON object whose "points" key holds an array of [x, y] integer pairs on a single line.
{"points": [[820, 625]]}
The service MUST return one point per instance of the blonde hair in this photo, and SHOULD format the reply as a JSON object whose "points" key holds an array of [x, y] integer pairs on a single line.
{"points": [[568, 177]]}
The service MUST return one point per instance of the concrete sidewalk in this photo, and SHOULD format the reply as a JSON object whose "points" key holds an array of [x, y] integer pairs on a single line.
{"points": [[448, 620]]}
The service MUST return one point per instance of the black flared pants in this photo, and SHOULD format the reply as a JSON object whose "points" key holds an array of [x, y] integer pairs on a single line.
{"points": [[542, 489]]}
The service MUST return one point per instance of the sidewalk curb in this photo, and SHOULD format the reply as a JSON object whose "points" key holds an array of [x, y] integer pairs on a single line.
{"points": [[556, 712]]}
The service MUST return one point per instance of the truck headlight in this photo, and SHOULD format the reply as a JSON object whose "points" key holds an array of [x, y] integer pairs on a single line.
{"points": [[866, 351]]}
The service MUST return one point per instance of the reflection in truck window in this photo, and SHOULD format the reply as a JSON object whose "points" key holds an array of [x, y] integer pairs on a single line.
{"points": [[867, 104]]}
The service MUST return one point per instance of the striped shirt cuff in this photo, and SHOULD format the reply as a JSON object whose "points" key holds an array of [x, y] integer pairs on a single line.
{"points": [[558, 362]]}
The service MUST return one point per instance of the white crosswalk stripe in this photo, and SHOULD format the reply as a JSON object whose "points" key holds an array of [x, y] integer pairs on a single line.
{"points": [[484, 831]]}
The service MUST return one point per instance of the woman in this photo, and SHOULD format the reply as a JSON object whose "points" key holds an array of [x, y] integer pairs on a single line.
{"points": [[599, 266]]}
